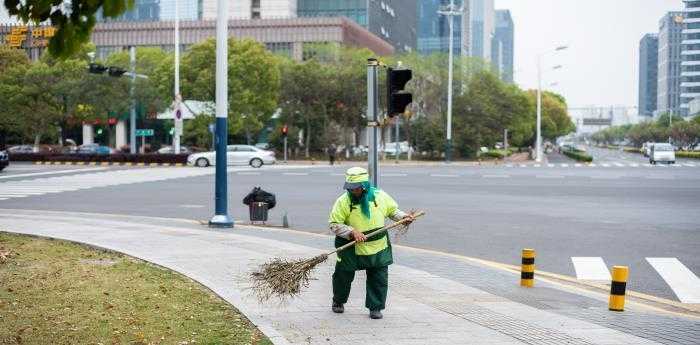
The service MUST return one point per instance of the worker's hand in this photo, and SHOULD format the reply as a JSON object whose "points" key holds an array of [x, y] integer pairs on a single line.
{"points": [[409, 218], [358, 236]]}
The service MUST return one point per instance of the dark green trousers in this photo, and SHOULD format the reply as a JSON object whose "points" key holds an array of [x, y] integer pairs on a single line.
{"points": [[377, 286]]}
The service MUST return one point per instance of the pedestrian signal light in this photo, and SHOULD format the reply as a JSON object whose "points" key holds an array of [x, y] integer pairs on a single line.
{"points": [[397, 98]]}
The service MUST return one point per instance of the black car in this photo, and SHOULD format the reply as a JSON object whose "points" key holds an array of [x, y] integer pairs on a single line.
{"points": [[4, 160]]}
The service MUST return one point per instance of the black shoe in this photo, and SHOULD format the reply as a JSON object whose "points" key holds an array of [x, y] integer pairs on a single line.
{"points": [[338, 308], [375, 314]]}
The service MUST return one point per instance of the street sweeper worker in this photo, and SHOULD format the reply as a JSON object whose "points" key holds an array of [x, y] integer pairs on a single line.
{"points": [[359, 210]]}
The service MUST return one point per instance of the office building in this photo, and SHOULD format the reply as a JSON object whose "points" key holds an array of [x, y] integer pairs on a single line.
{"points": [[648, 73], [502, 49], [433, 28], [690, 55], [669, 67], [189, 9], [481, 17], [143, 11], [395, 21]]}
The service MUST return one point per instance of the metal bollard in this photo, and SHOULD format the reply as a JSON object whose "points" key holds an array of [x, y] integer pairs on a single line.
{"points": [[527, 271], [617, 288]]}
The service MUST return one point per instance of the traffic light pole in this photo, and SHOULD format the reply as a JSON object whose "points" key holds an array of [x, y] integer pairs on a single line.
{"points": [[221, 219], [132, 111], [285, 149], [372, 123]]}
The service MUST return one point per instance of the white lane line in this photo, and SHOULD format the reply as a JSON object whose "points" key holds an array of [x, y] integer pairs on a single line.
{"points": [[537, 165], [247, 173], [634, 165], [4, 198], [679, 278], [689, 165], [606, 165], [549, 176], [394, 175], [619, 164], [509, 165], [550, 165], [443, 175], [495, 176], [337, 174], [523, 165], [52, 172], [590, 268], [295, 174], [592, 165], [564, 165]]}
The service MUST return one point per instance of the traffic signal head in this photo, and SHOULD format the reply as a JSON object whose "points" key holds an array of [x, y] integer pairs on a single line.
{"points": [[97, 68], [397, 99], [116, 71], [285, 130]]}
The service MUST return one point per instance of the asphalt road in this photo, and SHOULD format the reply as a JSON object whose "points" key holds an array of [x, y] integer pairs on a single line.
{"points": [[622, 214]]}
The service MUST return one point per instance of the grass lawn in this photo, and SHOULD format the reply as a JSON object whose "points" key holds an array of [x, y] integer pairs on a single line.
{"points": [[56, 292]]}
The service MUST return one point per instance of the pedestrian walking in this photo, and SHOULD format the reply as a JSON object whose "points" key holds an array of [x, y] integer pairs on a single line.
{"points": [[332, 150], [361, 209]]}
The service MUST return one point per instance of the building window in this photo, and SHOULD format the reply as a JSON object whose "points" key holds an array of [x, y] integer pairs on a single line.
{"points": [[255, 9]]}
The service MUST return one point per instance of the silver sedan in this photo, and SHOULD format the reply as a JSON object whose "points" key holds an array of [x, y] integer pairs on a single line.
{"points": [[235, 155]]}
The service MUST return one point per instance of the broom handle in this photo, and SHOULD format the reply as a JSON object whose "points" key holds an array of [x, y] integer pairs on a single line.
{"points": [[378, 231]]}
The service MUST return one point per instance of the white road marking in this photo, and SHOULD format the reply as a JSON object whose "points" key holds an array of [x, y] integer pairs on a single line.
{"points": [[52, 172], [605, 165], [590, 268], [337, 174], [443, 175], [495, 176], [192, 206], [634, 165], [689, 165], [564, 165], [247, 173], [578, 165], [619, 164], [593, 165], [684, 283], [549, 176], [537, 165], [550, 165], [295, 174], [394, 175], [509, 165], [523, 165]]}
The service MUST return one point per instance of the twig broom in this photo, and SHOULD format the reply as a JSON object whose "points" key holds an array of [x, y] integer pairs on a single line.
{"points": [[283, 278]]}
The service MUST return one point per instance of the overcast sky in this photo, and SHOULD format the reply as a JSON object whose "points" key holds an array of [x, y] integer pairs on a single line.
{"points": [[601, 66]]}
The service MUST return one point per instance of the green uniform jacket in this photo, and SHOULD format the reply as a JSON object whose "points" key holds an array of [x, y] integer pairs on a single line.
{"points": [[376, 251]]}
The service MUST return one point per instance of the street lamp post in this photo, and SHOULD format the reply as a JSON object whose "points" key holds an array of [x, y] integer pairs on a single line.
{"points": [[450, 12], [177, 113], [538, 140], [221, 219]]}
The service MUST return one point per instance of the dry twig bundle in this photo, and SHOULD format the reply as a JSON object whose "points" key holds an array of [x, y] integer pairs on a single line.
{"points": [[283, 278]]}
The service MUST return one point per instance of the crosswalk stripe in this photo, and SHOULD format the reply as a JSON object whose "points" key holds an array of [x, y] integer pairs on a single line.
{"points": [[618, 164], [564, 165], [634, 165], [590, 268], [523, 165], [550, 165], [689, 165], [684, 283], [537, 165], [593, 165], [606, 165], [578, 165], [443, 175]]}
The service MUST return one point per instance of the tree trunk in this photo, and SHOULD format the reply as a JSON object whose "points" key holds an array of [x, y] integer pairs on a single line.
{"points": [[308, 139], [407, 128]]}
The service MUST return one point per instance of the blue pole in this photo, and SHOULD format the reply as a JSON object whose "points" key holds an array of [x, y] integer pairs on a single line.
{"points": [[221, 219]]}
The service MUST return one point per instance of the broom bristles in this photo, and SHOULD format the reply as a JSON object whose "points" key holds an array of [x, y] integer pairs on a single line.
{"points": [[282, 278]]}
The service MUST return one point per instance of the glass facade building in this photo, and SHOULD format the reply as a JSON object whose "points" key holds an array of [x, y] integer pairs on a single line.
{"points": [[502, 49], [648, 73], [143, 11], [690, 55], [395, 21], [189, 9], [669, 66], [434, 28]]}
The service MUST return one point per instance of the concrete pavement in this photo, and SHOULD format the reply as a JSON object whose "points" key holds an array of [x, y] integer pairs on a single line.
{"points": [[434, 298]]}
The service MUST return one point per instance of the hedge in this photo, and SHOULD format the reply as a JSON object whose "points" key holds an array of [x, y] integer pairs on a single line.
{"points": [[632, 150], [113, 158], [578, 155], [499, 154], [688, 154]]}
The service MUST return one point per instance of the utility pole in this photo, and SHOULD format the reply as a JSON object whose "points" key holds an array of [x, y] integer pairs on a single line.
{"points": [[132, 111], [221, 219], [450, 12], [372, 123], [538, 139], [178, 98], [670, 123], [398, 151]]}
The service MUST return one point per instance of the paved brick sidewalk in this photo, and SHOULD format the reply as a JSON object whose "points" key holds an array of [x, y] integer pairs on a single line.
{"points": [[459, 302]]}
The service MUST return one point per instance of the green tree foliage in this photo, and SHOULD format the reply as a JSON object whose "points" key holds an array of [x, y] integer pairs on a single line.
{"points": [[684, 133], [73, 26]]}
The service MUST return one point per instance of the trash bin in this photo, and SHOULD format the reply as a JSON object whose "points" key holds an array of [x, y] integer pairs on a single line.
{"points": [[259, 203], [258, 211]]}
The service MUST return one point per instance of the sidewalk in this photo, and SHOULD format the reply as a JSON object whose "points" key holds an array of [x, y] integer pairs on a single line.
{"points": [[433, 298]]}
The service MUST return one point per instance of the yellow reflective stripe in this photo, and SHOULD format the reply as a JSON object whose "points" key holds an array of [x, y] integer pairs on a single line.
{"points": [[371, 247]]}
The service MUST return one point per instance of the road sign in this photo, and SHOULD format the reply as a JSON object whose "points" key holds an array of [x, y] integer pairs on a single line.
{"points": [[597, 122], [144, 132]]}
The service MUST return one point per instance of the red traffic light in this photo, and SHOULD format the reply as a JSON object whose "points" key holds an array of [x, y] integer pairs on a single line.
{"points": [[285, 130]]}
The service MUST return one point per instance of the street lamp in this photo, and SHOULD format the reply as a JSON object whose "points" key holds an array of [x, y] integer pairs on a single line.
{"points": [[221, 218], [450, 11], [177, 113], [538, 143]]}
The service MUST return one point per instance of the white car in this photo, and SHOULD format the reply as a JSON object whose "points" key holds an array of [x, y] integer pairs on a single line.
{"points": [[662, 152], [235, 155]]}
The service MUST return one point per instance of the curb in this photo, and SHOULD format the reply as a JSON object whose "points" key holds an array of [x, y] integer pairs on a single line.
{"points": [[124, 164]]}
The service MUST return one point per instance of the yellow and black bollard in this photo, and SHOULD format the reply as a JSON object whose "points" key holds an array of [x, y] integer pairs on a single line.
{"points": [[617, 288], [527, 272]]}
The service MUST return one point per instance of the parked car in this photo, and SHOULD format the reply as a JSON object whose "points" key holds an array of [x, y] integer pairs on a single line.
{"points": [[662, 152], [171, 150], [4, 160], [21, 149], [94, 149], [235, 155]]}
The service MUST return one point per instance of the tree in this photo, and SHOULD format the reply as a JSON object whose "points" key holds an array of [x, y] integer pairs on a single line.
{"points": [[253, 81], [11, 57], [686, 134], [73, 24]]}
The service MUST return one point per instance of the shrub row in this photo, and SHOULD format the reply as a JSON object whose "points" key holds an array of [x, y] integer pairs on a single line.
{"points": [[114, 158], [688, 154], [499, 154], [578, 155], [632, 150]]}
